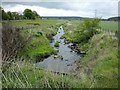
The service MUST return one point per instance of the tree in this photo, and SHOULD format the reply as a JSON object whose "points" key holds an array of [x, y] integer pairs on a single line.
{"points": [[10, 14], [16, 15], [29, 14], [36, 14], [5, 16]]}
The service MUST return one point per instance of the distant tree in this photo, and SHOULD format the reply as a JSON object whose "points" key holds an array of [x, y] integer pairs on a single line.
{"points": [[20, 16], [16, 15], [10, 14], [28, 14], [5, 16], [36, 14]]}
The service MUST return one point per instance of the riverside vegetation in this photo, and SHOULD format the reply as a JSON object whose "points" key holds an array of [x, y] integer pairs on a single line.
{"points": [[98, 67], [29, 43]]}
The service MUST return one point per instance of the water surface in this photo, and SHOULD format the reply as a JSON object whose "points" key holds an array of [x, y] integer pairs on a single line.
{"points": [[64, 61]]}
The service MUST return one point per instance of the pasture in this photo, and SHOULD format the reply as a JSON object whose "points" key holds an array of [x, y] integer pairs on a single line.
{"points": [[109, 25]]}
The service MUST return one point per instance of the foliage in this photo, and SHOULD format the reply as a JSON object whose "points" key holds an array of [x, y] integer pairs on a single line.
{"points": [[97, 69], [100, 64], [38, 46], [56, 44], [12, 43], [4, 15], [27, 75], [82, 32], [87, 29], [29, 14], [38, 34], [10, 15]]}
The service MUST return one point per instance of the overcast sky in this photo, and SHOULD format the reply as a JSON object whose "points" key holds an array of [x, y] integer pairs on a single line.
{"points": [[104, 8]]}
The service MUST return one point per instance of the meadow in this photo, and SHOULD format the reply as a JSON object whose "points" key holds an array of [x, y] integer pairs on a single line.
{"points": [[109, 25], [105, 25], [40, 33], [98, 68]]}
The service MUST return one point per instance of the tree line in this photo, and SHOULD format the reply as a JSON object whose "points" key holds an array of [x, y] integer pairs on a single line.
{"points": [[27, 14]]}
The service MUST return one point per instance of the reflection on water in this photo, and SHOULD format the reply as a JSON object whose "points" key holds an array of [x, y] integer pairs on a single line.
{"points": [[58, 64]]}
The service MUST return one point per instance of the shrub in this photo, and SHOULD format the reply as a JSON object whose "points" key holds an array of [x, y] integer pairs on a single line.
{"points": [[38, 34], [56, 44], [12, 43], [87, 29]]}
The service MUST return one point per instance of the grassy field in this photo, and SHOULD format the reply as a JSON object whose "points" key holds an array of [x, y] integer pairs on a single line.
{"points": [[97, 69], [39, 33], [105, 25], [99, 66], [109, 25], [22, 23], [26, 75]]}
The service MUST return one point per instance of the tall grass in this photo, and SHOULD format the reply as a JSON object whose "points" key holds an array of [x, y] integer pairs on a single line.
{"points": [[97, 69], [25, 75], [99, 66], [100, 63], [109, 25]]}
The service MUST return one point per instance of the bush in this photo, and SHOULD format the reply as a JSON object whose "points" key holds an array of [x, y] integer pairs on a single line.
{"points": [[56, 44], [12, 43], [38, 34], [87, 29]]}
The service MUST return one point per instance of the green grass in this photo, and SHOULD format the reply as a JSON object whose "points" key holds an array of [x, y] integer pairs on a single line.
{"points": [[40, 32], [71, 26], [56, 44], [99, 67], [109, 25], [26, 75], [22, 23], [105, 25], [100, 63], [38, 47]]}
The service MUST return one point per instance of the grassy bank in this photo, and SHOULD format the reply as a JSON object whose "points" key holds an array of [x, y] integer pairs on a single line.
{"points": [[99, 66], [97, 69], [38, 47], [26, 75], [39, 33]]}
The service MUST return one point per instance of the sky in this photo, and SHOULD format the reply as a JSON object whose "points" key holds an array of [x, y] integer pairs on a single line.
{"points": [[80, 8]]}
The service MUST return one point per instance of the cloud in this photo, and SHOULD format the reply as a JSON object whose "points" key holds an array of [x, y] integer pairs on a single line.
{"points": [[42, 11], [84, 9]]}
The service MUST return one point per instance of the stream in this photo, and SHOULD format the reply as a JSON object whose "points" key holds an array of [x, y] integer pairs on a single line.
{"points": [[64, 61]]}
